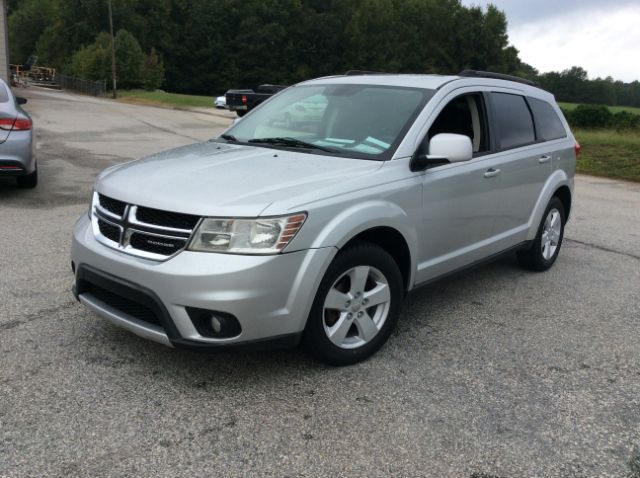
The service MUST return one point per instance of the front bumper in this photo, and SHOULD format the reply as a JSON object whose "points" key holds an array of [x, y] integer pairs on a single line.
{"points": [[270, 296]]}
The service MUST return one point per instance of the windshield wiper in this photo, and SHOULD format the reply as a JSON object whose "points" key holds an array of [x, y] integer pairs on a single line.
{"points": [[229, 137], [292, 142]]}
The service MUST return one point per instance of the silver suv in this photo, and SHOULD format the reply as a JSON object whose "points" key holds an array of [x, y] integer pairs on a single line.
{"points": [[314, 226]]}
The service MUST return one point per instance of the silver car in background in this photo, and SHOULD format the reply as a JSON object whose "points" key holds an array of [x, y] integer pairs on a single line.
{"points": [[315, 229], [17, 145]]}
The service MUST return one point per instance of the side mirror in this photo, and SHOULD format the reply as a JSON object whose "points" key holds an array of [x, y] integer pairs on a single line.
{"points": [[21, 101], [444, 148]]}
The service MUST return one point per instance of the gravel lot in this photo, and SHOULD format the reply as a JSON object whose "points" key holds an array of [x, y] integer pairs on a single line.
{"points": [[496, 372]]}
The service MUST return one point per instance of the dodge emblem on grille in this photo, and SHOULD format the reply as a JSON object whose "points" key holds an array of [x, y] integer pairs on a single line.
{"points": [[158, 243]]}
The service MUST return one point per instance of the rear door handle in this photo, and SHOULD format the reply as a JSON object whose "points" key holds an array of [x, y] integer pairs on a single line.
{"points": [[491, 172], [544, 159]]}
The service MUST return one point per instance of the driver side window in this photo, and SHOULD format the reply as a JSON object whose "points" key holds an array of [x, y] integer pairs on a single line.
{"points": [[466, 115]]}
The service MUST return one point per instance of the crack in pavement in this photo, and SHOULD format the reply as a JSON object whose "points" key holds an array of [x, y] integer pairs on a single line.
{"points": [[603, 248]]}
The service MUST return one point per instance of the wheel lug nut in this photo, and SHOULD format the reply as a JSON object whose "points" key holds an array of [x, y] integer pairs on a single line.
{"points": [[360, 314], [349, 315], [348, 303], [364, 301]]}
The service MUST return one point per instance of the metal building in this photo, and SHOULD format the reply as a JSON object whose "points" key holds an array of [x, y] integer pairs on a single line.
{"points": [[4, 42]]}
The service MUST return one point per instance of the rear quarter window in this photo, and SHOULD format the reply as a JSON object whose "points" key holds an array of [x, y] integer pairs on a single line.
{"points": [[513, 120], [548, 124]]}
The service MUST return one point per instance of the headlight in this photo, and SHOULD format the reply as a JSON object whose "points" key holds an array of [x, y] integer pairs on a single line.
{"points": [[246, 236]]}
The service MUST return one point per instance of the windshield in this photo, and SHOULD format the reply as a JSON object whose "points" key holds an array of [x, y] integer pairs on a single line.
{"points": [[361, 121]]}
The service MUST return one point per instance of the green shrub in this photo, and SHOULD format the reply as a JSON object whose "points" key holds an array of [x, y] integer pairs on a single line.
{"points": [[567, 115], [591, 116], [625, 121]]}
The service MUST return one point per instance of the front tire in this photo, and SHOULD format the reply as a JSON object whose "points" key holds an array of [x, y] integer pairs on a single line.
{"points": [[545, 248], [356, 307]]}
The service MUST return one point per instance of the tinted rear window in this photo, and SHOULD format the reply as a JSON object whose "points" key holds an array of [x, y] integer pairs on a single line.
{"points": [[548, 125], [513, 120]]}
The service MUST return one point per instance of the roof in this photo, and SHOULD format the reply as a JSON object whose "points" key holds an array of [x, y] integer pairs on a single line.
{"points": [[434, 82], [430, 82]]}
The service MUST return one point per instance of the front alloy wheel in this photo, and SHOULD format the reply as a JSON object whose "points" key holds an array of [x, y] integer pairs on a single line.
{"points": [[356, 306]]}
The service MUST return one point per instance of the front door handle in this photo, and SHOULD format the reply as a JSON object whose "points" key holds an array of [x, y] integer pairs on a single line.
{"points": [[544, 159], [491, 172]]}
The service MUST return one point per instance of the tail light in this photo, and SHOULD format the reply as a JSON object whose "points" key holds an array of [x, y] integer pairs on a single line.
{"points": [[7, 123], [15, 124], [578, 148], [244, 99]]}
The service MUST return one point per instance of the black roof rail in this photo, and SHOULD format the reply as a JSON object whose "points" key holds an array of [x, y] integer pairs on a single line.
{"points": [[495, 76], [364, 72]]}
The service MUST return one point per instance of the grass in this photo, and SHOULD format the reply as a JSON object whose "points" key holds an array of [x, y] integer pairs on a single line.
{"points": [[614, 109], [609, 153], [166, 99]]}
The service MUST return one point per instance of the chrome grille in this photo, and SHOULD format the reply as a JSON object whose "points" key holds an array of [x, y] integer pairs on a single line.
{"points": [[166, 218], [112, 205], [109, 231], [141, 231]]}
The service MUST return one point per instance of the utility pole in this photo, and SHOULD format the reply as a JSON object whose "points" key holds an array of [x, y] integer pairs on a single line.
{"points": [[113, 51]]}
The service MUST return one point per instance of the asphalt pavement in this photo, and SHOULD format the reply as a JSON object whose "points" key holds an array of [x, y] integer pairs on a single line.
{"points": [[496, 372]]}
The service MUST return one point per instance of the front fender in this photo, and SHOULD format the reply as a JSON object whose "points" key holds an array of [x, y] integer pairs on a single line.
{"points": [[358, 218], [558, 179]]}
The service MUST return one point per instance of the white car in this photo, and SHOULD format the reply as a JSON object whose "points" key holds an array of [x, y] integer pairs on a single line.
{"points": [[220, 102]]}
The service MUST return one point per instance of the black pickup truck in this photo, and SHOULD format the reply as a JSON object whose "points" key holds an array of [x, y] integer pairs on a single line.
{"points": [[243, 101]]}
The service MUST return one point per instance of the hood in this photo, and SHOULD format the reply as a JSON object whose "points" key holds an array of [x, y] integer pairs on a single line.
{"points": [[217, 179]]}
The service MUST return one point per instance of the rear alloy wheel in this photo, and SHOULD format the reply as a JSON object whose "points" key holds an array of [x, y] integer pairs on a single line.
{"points": [[356, 307], [546, 246]]}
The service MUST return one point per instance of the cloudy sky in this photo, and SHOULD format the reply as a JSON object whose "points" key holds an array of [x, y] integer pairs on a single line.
{"points": [[602, 36]]}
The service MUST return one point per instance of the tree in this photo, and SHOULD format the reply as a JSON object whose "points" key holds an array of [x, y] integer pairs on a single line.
{"points": [[152, 71], [129, 60], [207, 47], [93, 61], [27, 22]]}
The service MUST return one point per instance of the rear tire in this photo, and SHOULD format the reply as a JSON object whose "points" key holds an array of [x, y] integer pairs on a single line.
{"points": [[241, 113], [29, 181], [356, 307], [545, 248]]}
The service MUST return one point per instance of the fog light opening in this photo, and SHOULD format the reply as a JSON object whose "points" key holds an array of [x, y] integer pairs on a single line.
{"points": [[216, 324], [213, 323]]}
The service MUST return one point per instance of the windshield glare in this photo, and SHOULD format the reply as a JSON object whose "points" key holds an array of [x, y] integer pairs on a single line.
{"points": [[362, 121]]}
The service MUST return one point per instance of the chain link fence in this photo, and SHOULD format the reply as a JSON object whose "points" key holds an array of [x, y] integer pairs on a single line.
{"points": [[87, 87]]}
